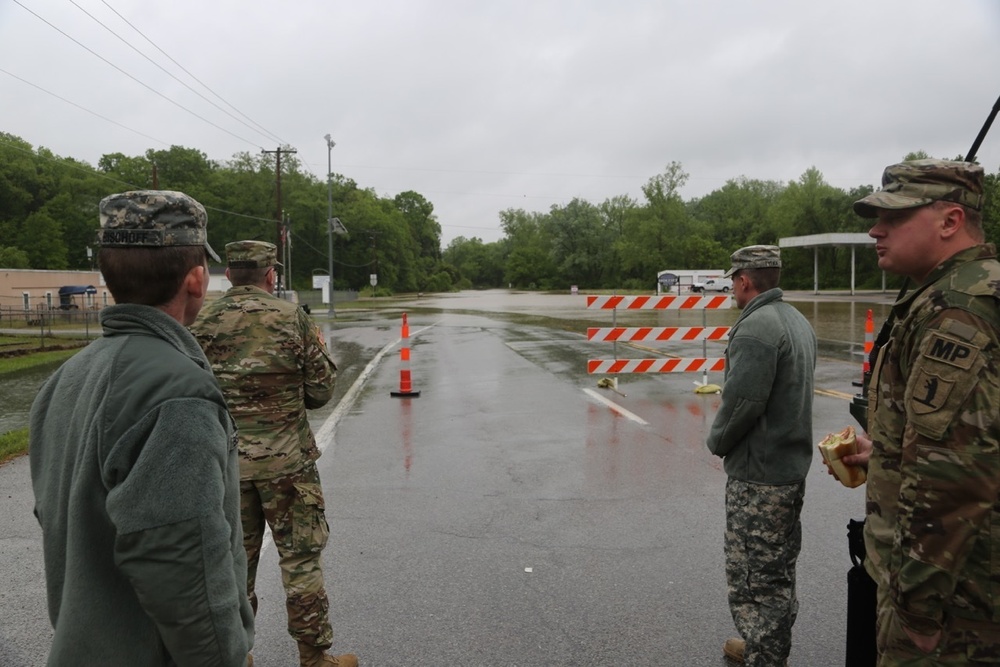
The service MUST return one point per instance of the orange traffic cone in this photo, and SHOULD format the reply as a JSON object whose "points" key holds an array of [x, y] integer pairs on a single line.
{"points": [[405, 385]]}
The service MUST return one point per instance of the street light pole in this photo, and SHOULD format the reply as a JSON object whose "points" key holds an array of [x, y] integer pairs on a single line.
{"points": [[330, 143]]}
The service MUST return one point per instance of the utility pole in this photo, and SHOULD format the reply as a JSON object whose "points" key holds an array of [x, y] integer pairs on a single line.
{"points": [[374, 277], [288, 250], [330, 143], [278, 210]]}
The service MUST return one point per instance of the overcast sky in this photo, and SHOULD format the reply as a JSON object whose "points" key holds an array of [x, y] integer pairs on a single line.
{"points": [[483, 106]]}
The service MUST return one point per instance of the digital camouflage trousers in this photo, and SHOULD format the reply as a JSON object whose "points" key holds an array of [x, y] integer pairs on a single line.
{"points": [[293, 507], [763, 539]]}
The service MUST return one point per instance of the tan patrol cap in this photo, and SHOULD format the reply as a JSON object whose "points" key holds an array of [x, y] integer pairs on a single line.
{"points": [[921, 182], [251, 255], [754, 257]]}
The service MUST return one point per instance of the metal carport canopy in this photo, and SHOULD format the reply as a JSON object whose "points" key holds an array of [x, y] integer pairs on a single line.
{"points": [[816, 241]]}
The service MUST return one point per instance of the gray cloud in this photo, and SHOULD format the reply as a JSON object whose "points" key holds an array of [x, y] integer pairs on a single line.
{"points": [[481, 107]]}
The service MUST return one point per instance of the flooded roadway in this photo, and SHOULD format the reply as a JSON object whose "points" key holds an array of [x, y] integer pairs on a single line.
{"points": [[509, 517]]}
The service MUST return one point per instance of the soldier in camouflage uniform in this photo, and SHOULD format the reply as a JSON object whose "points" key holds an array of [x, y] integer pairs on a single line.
{"points": [[933, 453], [273, 365], [763, 431]]}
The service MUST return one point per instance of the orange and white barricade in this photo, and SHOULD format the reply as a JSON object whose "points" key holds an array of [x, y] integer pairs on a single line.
{"points": [[617, 334]]}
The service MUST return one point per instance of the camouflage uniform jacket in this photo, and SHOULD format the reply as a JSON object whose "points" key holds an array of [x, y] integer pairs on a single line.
{"points": [[272, 363], [933, 527]]}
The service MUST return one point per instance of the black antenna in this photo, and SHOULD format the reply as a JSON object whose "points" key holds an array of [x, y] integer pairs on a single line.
{"points": [[971, 157]]}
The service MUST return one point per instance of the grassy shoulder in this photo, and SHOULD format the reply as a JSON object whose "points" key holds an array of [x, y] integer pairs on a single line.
{"points": [[13, 444], [23, 362]]}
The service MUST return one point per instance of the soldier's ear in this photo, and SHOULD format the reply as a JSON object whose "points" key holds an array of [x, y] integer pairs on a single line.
{"points": [[953, 219], [196, 281]]}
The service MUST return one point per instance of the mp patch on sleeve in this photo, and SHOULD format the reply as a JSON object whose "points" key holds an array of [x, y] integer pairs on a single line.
{"points": [[952, 351]]}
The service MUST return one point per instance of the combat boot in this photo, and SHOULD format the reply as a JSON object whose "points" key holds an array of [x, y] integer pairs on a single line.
{"points": [[310, 656], [735, 648]]}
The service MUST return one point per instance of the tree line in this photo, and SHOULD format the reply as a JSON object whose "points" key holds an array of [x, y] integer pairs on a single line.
{"points": [[48, 218], [622, 243]]}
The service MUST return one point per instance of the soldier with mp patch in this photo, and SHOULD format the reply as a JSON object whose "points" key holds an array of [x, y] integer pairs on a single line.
{"points": [[273, 366], [932, 532]]}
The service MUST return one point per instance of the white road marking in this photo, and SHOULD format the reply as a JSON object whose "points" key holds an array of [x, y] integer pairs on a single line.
{"points": [[617, 408]]}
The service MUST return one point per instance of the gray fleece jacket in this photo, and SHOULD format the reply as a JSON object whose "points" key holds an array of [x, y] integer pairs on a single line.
{"points": [[136, 483], [763, 429]]}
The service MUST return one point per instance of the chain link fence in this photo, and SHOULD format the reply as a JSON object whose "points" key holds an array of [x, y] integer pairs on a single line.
{"points": [[50, 326]]}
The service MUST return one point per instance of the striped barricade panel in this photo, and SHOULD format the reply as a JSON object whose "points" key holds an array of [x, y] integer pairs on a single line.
{"points": [[632, 334], [688, 365], [659, 302]]}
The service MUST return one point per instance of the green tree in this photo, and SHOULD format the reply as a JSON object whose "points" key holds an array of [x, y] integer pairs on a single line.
{"points": [[614, 212], [18, 184], [650, 242], [14, 258], [810, 206], [738, 213], [478, 264], [41, 239], [529, 259], [137, 172], [185, 169], [581, 243], [991, 208]]}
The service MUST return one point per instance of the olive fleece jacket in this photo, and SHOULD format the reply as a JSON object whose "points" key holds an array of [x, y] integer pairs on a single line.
{"points": [[135, 476], [763, 429]]}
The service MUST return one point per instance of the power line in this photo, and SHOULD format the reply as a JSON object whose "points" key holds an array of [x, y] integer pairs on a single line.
{"points": [[93, 113], [164, 70], [185, 70], [144, 85]]}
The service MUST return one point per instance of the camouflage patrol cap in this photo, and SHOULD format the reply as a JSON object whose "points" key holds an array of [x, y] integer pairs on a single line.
{"points": [[921, 182], [251, 255], [153, 219], [754, 257]]}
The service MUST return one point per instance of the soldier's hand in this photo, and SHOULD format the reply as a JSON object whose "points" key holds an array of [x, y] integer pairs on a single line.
{"points": [[864, 452], [925, 643]]}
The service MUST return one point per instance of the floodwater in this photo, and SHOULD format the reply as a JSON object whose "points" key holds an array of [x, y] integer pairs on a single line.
{"points": [[838, 319], [839, 322], [17, 391]]}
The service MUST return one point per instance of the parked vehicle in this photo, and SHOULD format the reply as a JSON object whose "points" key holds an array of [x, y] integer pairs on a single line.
{"points": [[68, 294], [713, 285]]}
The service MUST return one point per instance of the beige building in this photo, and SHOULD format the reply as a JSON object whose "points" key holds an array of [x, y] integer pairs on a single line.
{"points": [[28, 289]]}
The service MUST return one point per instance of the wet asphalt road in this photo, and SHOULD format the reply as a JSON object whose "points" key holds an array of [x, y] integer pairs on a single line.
{"points": [[507, 516]]}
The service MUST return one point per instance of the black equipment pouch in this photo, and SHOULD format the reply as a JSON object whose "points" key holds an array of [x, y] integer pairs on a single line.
{"points": [[861, 588]]}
